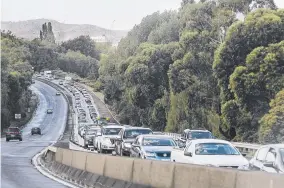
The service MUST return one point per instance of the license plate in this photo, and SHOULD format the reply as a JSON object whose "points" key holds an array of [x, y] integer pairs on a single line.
{"points": [[12, 135]]}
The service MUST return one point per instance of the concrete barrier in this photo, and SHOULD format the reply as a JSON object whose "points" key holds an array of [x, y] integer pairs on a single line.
{"points": [[142, 172], [59, 155], [79, 160], [95, 163], [118, 168], [93, 170], [67, 157], [162, 174], [259, 180]]}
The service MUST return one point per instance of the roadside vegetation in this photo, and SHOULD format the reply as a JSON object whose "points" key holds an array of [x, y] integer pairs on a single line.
{"points": [[16, 77], [212, 64]]}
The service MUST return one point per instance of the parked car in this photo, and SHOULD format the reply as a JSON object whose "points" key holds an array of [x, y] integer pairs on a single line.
{"points": [[61, 83], [155, 147], [58, 93], [49, 111], [13, 133], [269, 158], [35, 130], [210, 152], [126, 137], [105, 141]]}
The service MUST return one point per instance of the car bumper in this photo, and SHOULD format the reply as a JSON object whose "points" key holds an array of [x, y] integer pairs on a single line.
{"points": [[13, 137], [107, 147], [159, 158]]}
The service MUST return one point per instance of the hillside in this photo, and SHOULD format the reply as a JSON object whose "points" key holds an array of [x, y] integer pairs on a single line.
{"points": [[30, 29]]}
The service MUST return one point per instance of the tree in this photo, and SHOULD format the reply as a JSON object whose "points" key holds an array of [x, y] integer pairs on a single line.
{"points": [[83, 44], [47, 34], [84, 66], [260, 28], [272, 124]]}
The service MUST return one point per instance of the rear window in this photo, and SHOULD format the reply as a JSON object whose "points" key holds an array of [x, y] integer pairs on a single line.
{"points": [[13, 130], [199, 135]]}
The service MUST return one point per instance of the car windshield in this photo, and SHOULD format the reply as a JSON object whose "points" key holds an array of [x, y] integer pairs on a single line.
{"points": [[158, 142], [215, 149], [111, 131], [13, 130], [199, 135], [282, 154], [133, 133]]}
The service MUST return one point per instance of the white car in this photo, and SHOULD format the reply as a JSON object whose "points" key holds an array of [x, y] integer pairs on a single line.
{"points": [[105, 142], [210, 152]]}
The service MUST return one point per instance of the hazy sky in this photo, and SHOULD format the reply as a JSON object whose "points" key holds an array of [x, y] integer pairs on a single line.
{"points": [[126, 13]]}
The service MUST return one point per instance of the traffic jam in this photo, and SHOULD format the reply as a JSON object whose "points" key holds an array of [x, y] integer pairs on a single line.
{"points": [[199, 146]]}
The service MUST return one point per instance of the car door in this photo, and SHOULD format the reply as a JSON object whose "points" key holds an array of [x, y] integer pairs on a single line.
{"points": [[181, 158], [134, 150], [118, 142], [270, 158], [189, 149], [257, 162]]}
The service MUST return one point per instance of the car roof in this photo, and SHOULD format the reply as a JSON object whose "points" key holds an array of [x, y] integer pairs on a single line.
{"points": [[112, 126], [155, 136], [199, 141], [198, 130], [278, 146], [135, 128]]}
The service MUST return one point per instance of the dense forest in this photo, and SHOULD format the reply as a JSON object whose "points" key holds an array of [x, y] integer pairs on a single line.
{"points": [[214, 64]]}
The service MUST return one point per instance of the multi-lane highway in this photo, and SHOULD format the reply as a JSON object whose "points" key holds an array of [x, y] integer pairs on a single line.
{"points": [[16, 167]]}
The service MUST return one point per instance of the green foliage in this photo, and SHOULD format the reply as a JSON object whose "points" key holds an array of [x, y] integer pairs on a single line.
{"points": [[272, 124], [83, 44], [248, 72], [16, 75], [78, 63]]}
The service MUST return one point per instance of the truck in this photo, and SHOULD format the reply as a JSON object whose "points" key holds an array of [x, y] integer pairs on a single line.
{"points": [[47, 74]]}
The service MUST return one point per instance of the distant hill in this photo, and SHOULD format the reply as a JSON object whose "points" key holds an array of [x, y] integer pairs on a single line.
{"points": [[30, 29]]}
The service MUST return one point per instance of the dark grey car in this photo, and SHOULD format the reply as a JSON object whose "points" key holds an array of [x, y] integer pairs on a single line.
{"points": [[35, 130], [126, 137]]}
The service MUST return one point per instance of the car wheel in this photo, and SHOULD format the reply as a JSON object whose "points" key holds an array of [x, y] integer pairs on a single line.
{"points": [[40, 133], [32, 133], [20, 139], [7, 140]]}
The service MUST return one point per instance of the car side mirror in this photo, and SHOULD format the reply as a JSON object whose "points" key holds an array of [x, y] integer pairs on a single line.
{"points": [[189, 154], [135, 145], [268, 164]]}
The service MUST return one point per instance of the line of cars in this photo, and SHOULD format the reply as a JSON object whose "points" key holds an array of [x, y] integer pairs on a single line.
{"points": [[194, 147]]}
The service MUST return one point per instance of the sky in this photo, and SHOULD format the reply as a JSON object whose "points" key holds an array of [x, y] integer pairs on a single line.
{"points": [[110, 14]]}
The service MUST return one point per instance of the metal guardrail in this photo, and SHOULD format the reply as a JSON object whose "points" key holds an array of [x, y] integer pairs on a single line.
{"points": [[243, 147]]}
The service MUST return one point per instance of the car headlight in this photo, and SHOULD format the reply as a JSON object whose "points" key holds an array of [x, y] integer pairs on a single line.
{"points": [[127, 145], [150, 154]]}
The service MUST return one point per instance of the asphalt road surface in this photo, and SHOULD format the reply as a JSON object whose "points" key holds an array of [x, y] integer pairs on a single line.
{"points": [[16, 168]]}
